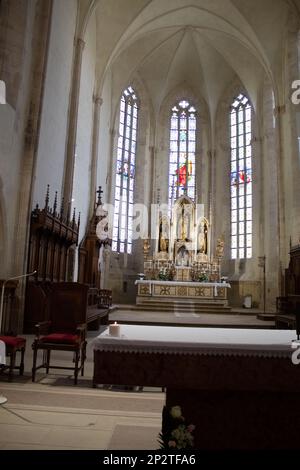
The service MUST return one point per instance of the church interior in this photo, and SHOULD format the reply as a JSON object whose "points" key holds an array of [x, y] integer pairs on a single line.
{"points": [[149, 222]]}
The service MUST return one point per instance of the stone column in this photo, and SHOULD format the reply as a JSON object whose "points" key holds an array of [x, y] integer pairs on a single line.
{"points": [[72, 124], [40, 45], [279, 115], [212, 199], [95, 145]]}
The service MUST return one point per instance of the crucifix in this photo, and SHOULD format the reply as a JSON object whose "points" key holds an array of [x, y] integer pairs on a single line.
{"points": [[99, 192]]}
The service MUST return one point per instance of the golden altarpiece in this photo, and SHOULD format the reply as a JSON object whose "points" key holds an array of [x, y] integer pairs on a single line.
{"points": [[182, 264]]}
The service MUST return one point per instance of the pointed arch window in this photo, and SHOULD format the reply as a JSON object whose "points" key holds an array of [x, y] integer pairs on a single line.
{"points": [[125, 172], [241, 178], [182, 151]]}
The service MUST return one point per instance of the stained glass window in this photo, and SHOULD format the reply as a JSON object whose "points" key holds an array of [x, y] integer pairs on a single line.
{"points": [[125, 172], [182, 151], [241, 178]]}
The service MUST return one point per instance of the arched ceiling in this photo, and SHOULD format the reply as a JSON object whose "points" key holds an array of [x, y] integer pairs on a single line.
{"points": [[207, 44]]}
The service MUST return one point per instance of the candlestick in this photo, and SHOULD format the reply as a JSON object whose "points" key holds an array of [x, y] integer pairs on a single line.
{"points": [[114, 329]]}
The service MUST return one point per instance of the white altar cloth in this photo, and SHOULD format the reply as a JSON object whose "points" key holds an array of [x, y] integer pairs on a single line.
{"points": [[198, 341], [215, 285]]}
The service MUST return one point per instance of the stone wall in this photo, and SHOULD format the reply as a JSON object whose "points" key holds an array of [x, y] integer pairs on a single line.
{"points": [[16, 57], [240, 289]]}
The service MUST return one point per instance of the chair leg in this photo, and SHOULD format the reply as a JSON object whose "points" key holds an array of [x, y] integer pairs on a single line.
{"points": [[76, 367], [12, 365], [48, 361], [34, 363], [83, 357], [22, 361]]}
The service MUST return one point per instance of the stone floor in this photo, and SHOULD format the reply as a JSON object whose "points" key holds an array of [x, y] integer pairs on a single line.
{"points": [[54, 414]]}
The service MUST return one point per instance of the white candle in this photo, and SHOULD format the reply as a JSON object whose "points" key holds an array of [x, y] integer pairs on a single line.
{"points": [[114, 329]]}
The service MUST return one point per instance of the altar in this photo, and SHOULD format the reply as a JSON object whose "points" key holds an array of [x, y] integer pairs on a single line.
{"points": [[196, 291], [238, 386], [183, 265]]}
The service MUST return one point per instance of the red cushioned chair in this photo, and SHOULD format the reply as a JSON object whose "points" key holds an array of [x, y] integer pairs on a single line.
{"points": [[66, 328], [13, 345]]}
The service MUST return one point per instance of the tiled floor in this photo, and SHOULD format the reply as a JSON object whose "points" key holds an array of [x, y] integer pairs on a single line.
{"points": [[54, 414]]}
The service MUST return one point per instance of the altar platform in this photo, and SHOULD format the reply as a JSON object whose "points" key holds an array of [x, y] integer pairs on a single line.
{"points": [[238, 387], [149, 315]]}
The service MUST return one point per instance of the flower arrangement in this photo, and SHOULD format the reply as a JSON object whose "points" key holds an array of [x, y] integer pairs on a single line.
{"points": [[203, 277], [162, 275], [175, 433], [166, 274]]}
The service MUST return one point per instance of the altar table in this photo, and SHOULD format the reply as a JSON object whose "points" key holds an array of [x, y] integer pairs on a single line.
{"points": [[195, 292], [239, 387]]}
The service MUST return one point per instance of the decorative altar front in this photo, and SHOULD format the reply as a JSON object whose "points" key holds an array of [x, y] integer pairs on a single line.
{"points": [[185, 290]]}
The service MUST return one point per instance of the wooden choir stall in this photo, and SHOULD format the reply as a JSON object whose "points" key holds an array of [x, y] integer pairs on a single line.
{"points": [[288, 306], [54, 237]]}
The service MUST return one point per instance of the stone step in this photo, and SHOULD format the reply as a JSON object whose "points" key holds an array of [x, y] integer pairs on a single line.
{"points": [[182, 304], [266, 316], [183, 309]]}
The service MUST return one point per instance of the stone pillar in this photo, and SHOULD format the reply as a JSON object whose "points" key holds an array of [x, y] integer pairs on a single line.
{"points": [[72, 124], [152, 164], [282, 254], [211, 154], [95, 145], [40, 45]]}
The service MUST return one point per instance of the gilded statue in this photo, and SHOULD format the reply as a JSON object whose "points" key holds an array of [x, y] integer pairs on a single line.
{"points": [[162, 243], [163, 238], [146, 246], [202, 238], [220, 248], [183, 228]]}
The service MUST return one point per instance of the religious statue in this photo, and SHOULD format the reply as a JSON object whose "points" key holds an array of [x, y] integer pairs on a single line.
{"points": [[163, 237], [183, 227], [162, 243], [146, 247], [202, 239], [182, 258], [220, 248]]}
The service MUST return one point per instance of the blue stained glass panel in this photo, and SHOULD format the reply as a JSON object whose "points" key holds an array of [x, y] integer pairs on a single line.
{"points": [[183, 136]]}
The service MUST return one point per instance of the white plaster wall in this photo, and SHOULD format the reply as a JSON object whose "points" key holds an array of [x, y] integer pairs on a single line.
{"points": [[53, 131], [82, 170], [12, 123]]}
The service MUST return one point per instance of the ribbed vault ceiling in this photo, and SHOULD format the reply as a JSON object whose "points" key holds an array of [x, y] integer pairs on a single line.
{"points": [[206, 44]]}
